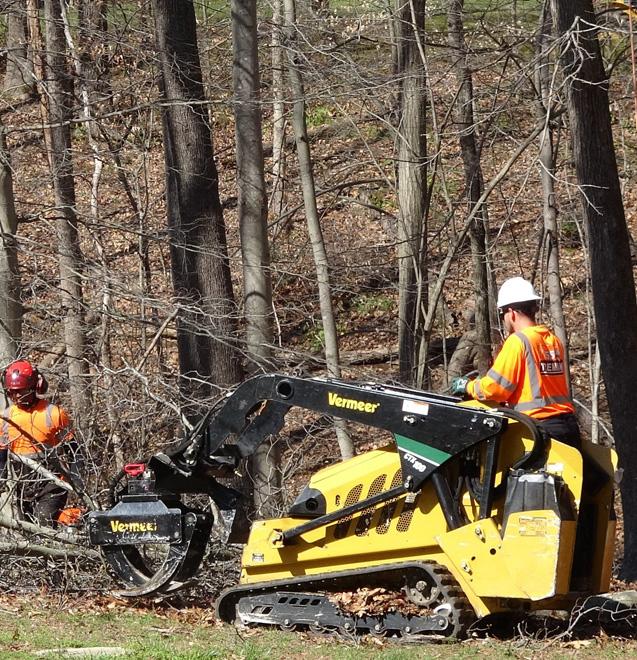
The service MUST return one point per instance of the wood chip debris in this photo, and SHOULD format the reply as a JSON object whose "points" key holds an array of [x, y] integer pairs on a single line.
{"points": [[375, 601]]}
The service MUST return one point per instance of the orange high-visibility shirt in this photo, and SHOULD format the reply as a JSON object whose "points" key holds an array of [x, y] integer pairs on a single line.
{"points": [[528, 374], [31, 431]]}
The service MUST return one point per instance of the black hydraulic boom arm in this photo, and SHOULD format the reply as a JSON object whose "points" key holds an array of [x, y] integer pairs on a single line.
{"points": [[428, 428]]}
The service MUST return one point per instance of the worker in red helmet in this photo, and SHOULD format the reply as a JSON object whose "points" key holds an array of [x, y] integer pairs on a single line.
{"points": [[35, 429]]}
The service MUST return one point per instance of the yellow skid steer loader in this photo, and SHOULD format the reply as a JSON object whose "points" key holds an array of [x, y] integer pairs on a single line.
{"points": [[468, 511]]}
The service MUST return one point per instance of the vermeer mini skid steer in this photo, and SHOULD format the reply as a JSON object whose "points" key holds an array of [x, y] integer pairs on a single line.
{"points": [[469, 511]]}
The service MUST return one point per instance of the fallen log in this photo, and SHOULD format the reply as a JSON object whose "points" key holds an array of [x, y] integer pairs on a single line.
{"points": [[27, 549], [23, 526]]}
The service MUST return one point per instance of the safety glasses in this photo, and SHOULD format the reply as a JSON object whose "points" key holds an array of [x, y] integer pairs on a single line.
{"points": [[19, 395]]}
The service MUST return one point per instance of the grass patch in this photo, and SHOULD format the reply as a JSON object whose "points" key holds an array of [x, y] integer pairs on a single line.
{"points": [[485, 12], [320, 115], [193, 634], [314, 335], [373, 132], [369, 303]]}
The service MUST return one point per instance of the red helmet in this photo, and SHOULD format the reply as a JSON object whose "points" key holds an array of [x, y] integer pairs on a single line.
{"points": [[22, 375]]}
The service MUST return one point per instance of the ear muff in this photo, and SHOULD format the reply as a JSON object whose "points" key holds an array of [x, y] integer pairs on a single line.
{"points": [[41, 384]]}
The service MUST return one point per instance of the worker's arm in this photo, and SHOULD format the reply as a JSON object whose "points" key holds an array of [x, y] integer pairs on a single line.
{"points": [[504, 377]]}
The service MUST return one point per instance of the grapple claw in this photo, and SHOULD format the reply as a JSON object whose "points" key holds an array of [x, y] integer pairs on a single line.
{"points": [[179, 565], [151, 547]]}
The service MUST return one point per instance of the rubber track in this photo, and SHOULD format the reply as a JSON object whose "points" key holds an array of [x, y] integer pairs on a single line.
{"points": [[461, 616]]}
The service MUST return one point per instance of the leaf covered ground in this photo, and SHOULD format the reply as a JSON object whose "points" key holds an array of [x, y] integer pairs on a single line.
{"points": [[157, 631], [354, 164]]}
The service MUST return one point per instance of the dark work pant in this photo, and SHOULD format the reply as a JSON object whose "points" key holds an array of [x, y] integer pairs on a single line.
{"points": [[38, 500], [48, 504], [563, 428]]}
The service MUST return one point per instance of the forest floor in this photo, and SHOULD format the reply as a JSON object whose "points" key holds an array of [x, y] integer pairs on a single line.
{"points": [[49, 626], [358, 217]]}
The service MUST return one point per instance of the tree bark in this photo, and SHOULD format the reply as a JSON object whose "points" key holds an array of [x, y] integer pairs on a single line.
{"points": [[464, 357], [546, 109], [10, 305], [253, 211], [615, 305], [311, 213], [36, 49], [474, 183], [19, 82], [412, 183], [59, 91], [278, 116], [92, 30], [206, 326], [252, 203]]}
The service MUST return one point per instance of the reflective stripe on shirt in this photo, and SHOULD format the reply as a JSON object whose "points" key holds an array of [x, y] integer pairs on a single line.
{"points": [[528, 374], [538, 400]]}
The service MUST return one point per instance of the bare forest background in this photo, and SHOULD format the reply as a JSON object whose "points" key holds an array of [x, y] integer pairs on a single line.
{"points": [[194, 192]]}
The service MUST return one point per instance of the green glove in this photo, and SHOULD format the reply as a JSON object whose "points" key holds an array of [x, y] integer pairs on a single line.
{"points": [[459, 385]]}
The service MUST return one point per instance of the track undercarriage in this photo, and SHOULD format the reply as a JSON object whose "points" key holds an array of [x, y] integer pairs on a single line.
{"points": [[469, 511], [419, 600]]}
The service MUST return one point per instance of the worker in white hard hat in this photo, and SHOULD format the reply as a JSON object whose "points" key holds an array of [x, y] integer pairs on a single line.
{"points": [[529, 373]]}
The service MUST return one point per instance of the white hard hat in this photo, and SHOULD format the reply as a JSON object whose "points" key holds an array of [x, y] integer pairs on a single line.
{"points": [[516, 290]]}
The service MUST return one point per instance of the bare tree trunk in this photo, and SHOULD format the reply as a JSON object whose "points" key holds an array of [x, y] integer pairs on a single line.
{"points": [[253, 210], [612, 281], [10, 305], [474, 183], [19, 82], [464, 357], [394, 30], [37, 57], [311, 213], [412, 182], [547, 156], [251, 183], [60, 103], [596, 382], [206, 327], [278, 115], [92, 30], [86, 71]]}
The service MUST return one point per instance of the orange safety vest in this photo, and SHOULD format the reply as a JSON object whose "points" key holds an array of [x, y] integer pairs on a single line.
{"points": [[30, 431], [528, 374]]}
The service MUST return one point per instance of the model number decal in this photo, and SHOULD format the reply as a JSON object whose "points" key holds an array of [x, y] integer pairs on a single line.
{"points": [[338, 401], [418, 465]]}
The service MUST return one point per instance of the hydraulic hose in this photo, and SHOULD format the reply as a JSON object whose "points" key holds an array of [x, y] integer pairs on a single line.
{"points": [[537, 455]]}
